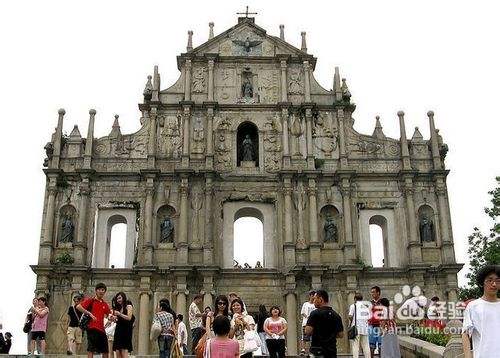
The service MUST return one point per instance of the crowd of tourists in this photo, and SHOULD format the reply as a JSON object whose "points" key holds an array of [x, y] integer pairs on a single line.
{"points": [[228, 331]]}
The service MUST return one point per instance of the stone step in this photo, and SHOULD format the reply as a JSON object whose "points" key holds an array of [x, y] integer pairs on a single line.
{"points": [[133, 356]]}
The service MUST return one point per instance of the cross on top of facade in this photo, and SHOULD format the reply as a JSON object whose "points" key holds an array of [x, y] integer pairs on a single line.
{"points": [[246, 13]]}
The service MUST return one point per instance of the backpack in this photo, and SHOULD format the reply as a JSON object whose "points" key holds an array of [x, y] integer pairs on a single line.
{"points": [[85, 318]]}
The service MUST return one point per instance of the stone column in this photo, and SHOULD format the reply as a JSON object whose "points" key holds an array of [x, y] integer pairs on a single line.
{"points": [[208, 289], [182, 251], [284, 87], [187, 80], [210, 80], [47, 243], [291, 316], [208, 244], [309, 140], [436, 158], [415, 248], [446, 239], [87, 157], [209, 159], [289, 242], [285, 138], [345, 189], [144, 325], [315, 246], [342, 139], [186, 116], [148, 223], [307, 85], [152, 138], [57, 140], [81, 234]]}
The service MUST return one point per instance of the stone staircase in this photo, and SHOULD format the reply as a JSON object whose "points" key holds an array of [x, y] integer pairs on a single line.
{"points": [[134, 356]]}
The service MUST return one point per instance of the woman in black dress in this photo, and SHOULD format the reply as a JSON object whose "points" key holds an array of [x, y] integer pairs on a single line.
{"points": [[124, 313]]}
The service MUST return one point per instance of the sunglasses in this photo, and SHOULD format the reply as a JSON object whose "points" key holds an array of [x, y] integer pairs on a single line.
{"points": [[221, 303]]}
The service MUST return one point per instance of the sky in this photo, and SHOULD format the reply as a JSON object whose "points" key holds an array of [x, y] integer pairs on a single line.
{"points": [[396, 55]]}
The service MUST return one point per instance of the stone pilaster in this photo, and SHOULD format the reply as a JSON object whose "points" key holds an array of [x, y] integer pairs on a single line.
{"points": [[284, 87], [152, 138], [208, 245], [148, 222], [291, 315], [186, 116], [209, 158], [81, 234], [307, 84], [309, 139], [47, 242], [289, 245], [210, 80], [285, 139], [182, 249], [314, 244], [349, 246], [144, 316], [414, 245], [182, 292], [187, 80], [444, 220]]}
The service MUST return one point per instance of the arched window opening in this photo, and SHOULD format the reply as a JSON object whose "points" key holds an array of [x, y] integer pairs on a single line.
{"points": [[377, 246], [117, 246], [378, 241], [247, 144], [248, 242]]}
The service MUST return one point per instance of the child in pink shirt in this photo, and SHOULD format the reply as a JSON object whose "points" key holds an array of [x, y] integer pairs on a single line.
{"points": [[222, 346], [39, 327]]}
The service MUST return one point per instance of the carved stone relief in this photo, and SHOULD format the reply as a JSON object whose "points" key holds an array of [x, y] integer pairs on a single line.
{"points": [[272, 152], [295, 83], [170, 138], [198, 82], [268, 87], [198, 141], [325, 135], [246, 43], [296, 130], [226, 85]]}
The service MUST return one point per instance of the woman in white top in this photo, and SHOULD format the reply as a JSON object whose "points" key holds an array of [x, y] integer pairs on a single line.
{"points": [[240, 323], [275, 328], [359, 313]]}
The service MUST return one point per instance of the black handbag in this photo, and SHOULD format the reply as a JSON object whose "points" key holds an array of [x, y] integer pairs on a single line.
{"points": [[28, 323], [352, 332], [85, 318]]}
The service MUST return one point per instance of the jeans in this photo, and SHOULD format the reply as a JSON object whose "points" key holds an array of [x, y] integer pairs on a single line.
{"points": [[164, 345], [263, 347], [375, 336]]}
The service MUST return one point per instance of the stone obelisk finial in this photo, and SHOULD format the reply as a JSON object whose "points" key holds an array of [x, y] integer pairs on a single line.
{"points": [[211, 30], [156, 84], [303, 47], [282, 32], [405, 153], [434, 142], [189, 46], [337, 89], [87, 158]]}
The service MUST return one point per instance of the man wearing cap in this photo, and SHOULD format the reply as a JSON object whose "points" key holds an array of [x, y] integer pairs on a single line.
{"points": [[74, 332]]}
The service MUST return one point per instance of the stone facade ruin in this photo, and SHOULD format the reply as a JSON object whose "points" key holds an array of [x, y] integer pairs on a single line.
{"points": [[245, 131]]}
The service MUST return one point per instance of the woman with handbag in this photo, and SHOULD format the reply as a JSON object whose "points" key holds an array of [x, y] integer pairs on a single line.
{"points": [[240, 324], [359, 313], [166, 318]]}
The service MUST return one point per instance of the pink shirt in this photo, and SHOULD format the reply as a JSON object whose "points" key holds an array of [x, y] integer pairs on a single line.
{"points": [[224, 348], [40, 323]]}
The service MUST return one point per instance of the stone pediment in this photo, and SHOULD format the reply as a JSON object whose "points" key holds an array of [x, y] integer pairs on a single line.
{"points": [[246, 40]]}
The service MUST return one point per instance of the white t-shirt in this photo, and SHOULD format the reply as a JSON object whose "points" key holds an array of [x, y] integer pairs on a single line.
{"points": [[482, 322], [307, 308], [194, 322], [363, 311], [182, 332]]}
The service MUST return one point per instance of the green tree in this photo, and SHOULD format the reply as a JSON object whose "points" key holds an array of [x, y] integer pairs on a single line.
{"points": [[483, 249]]}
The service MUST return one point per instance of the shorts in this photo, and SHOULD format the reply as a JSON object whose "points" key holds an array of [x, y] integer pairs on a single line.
{"points": [[97, 342], [374, 336], [305, 337], [35, 335], [74, 334]]}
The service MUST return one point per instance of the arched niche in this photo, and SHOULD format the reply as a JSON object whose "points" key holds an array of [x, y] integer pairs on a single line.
{"points": [[166, 227], [66, 226], [426, 224], [247, 131], [248, 242], [106, 219], [330, 224]]}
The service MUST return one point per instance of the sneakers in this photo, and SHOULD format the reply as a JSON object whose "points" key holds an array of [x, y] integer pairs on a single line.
{"points": [[303, 352]]}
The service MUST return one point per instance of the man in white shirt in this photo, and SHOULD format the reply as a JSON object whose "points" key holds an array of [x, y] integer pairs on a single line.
{"points": [[482, 317], [195, 323], [359, 313], [182, 334], [306, 310]]}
